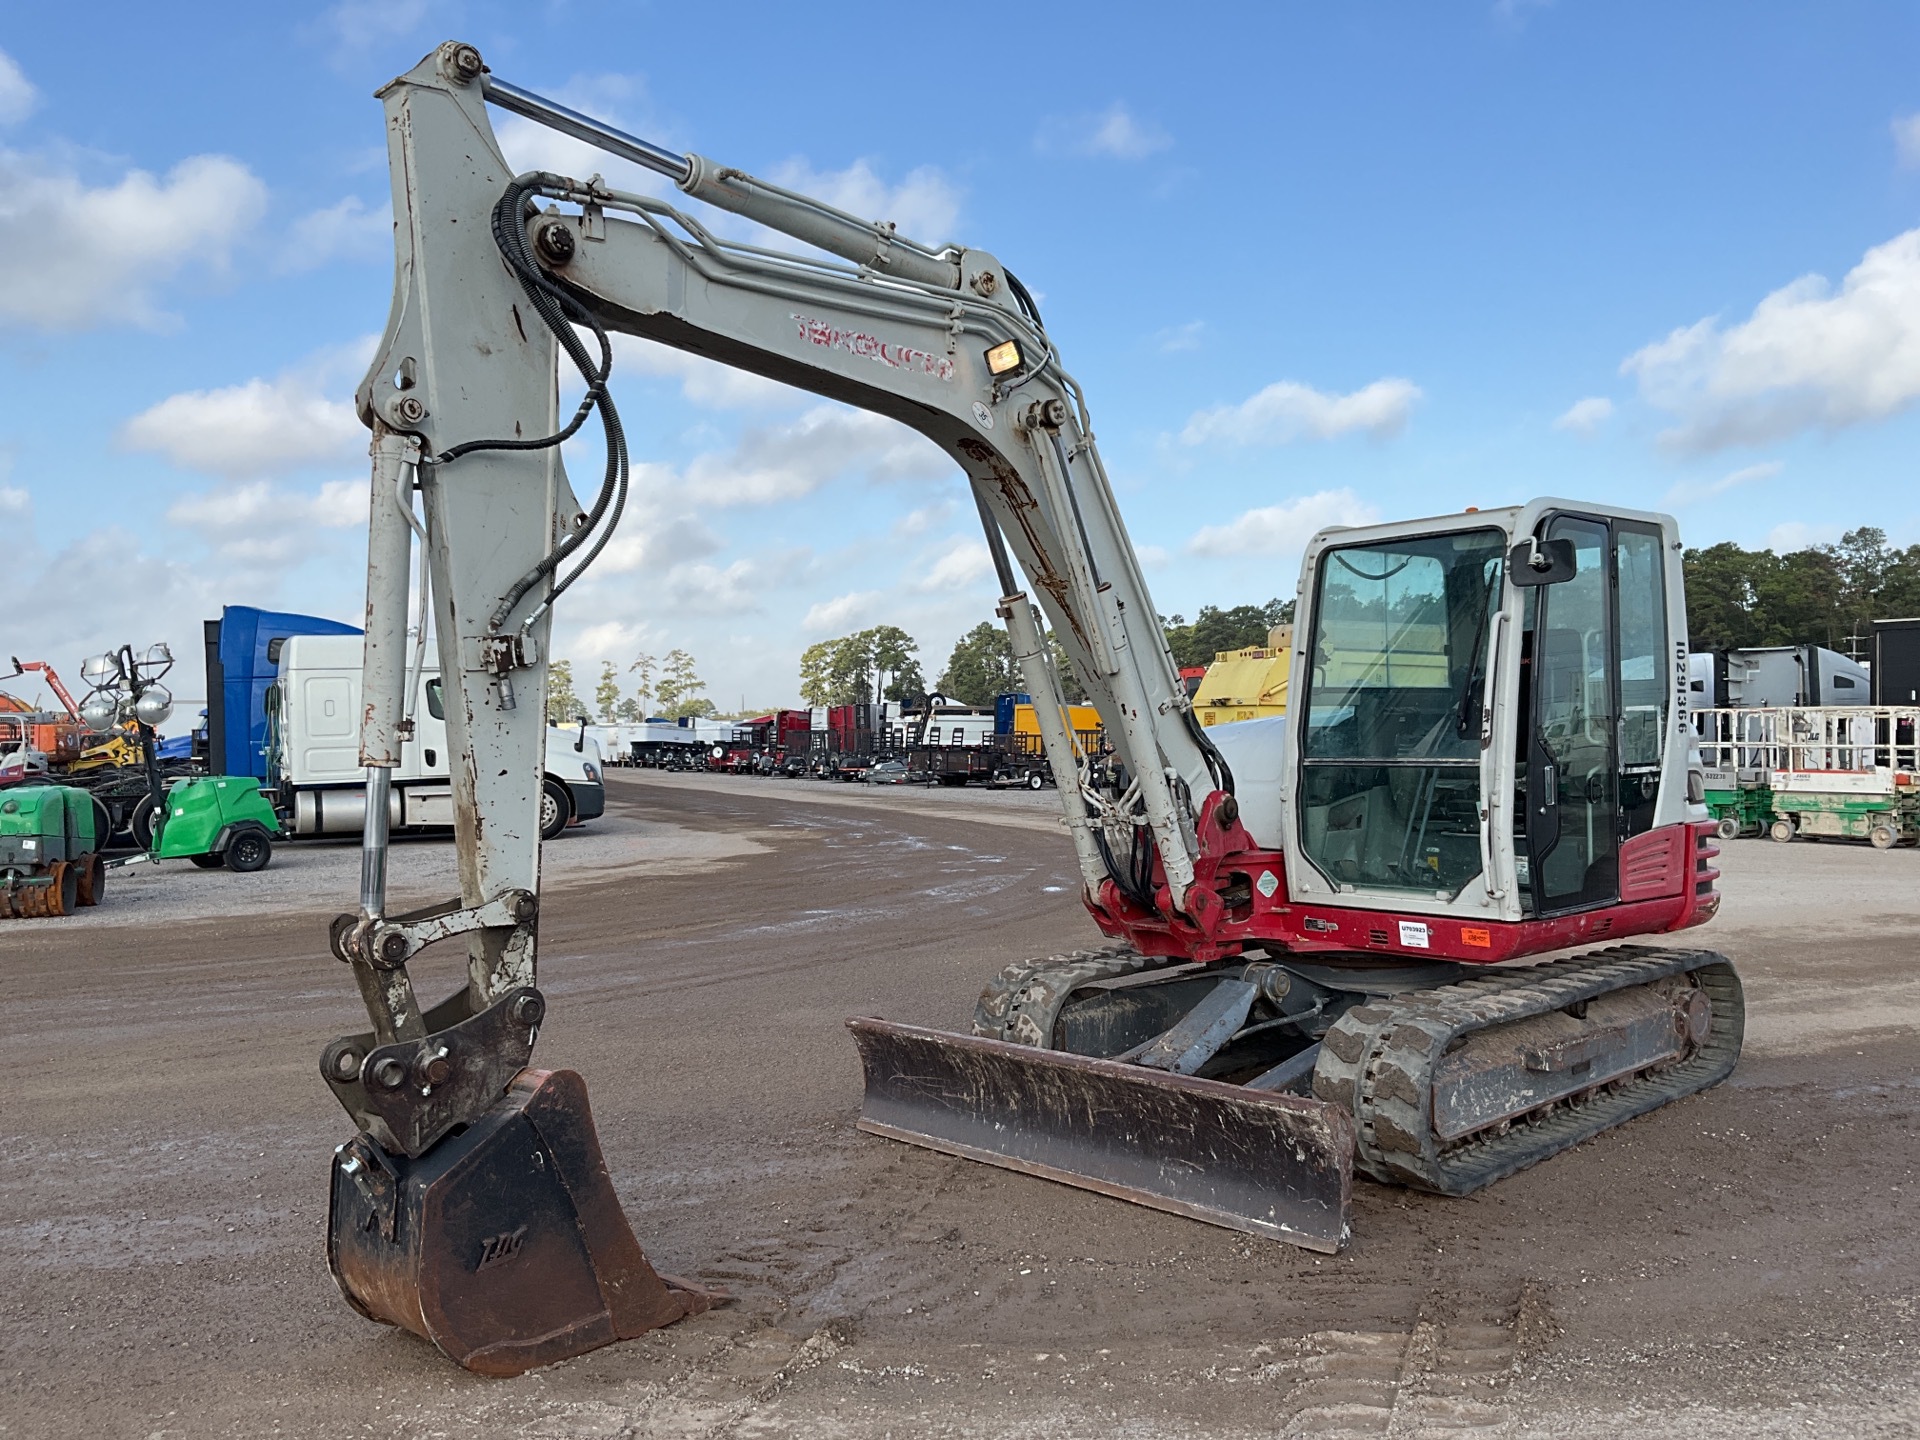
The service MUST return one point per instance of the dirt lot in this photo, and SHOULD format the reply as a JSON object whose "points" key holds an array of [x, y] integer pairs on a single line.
{"points": [[1743, 1263]]}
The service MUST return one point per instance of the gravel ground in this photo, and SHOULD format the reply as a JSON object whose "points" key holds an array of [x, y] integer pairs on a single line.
{"points": [[1741, 1264]]}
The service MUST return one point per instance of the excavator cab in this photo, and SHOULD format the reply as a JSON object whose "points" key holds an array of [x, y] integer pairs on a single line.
{"points": [[1492, 711]]}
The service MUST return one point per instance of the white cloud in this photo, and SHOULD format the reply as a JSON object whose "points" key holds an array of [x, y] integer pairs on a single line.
{"points": [[347, 230], [1798, 535], [15, 501], [262, 524], [843, 612], [175, 588], [359, 25], [654, 542], [615, 640], [1177, 338], [95, 574], [703, 382], [261, 427], [1114, 132], [1283, 529], [923, 519], [1152, 557], [1808, 357], [925, 206], [964, 564], [1287, 410], [786, 462], [1906, 140], [17, 95], [1688, 492], [716, 590], [74, 256], [1583, 417]]}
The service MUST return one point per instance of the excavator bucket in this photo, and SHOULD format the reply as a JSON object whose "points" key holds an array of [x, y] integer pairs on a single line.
{"points": [[504, 1245], [1274, 1165]]}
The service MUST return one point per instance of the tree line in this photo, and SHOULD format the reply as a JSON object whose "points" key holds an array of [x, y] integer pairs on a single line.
{"points": [[1824, 594], [669, 688], [883, 663], [1736, 598]]}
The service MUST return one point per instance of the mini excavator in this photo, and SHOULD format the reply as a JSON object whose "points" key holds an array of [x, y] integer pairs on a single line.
{"points": [[1313, 922]]}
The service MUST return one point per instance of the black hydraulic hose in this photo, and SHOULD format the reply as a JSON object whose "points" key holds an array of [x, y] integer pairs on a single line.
{"points": [[560, 311], [1216, 762], [1123, 879], [1021, 294]]}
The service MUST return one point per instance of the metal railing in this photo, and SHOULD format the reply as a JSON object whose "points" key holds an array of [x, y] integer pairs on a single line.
{"points": [[1810, 738]]}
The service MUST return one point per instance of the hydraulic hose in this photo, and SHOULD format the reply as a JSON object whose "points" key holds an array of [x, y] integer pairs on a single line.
{"points": [[560, 311]]}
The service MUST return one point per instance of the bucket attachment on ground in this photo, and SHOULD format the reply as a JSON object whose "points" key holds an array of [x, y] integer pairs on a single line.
{"points": [[1274, 1165], [504, 1244]]}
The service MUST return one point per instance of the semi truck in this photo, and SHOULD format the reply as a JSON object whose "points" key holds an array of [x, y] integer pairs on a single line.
{"points": [[313, 750], [1764, 676]]}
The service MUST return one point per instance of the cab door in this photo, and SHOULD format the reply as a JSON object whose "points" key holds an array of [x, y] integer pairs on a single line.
{"points": [[1571, 782]]}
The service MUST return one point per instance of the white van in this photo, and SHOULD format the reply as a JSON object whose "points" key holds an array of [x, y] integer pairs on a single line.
{"points": [[313, 751]]}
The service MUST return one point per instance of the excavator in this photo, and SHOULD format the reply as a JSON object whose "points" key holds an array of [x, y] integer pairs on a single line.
{"points": [[1314, 924]]}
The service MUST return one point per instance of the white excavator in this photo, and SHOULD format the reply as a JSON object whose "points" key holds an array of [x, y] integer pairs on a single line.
{"points": [[1311, 921]]}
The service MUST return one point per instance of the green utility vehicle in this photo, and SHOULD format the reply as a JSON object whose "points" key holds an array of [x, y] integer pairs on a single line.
{"points": [[1740, 800], [49, 859], [214, 821], [1880, 806]]}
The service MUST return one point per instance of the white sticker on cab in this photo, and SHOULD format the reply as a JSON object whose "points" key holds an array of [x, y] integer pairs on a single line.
{"points": [[1414, 934]]}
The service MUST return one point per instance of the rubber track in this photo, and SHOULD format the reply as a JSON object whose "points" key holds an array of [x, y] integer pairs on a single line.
{"points": [[1379, 1059], [1023, 1002]]}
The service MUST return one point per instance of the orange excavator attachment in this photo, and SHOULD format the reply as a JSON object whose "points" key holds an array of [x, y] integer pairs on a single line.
{"points": [[503, 1244]]}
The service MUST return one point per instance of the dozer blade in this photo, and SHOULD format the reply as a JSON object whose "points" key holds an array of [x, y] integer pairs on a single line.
{"points": [[504, 1245], [1273, 1165]]}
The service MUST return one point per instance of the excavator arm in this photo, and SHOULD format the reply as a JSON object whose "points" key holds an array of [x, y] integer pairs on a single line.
{"points": [[1297, 991], [498, 278]]}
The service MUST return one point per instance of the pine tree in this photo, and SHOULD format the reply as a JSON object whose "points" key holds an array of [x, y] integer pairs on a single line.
{"points": [[606, 694], [563, 706]]}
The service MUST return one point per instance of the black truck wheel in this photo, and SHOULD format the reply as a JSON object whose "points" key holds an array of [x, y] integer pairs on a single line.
{"points": [[248, 851], [556, 808], [140, 823]]}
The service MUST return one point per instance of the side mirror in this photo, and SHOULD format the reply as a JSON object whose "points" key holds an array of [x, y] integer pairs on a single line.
{"points": [[1549, 562]]}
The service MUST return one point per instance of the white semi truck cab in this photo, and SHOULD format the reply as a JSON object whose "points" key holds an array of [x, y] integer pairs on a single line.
{"points": [[314, 751]]}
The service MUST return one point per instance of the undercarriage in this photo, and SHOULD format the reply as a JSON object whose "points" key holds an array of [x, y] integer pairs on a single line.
{"points": [[1281, 1074]]}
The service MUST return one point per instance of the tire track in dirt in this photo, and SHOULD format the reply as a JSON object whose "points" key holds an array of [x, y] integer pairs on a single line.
{"points": [[1446, 1377]]}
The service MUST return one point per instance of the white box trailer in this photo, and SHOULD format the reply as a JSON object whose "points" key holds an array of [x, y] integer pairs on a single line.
{"points": [[314, 750]]}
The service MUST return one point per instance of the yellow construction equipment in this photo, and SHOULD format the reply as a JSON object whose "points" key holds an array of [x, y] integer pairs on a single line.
{"points": [[1247, 684], [1082, 721]]}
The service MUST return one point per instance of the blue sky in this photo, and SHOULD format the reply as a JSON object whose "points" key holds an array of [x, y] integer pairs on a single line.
{"points": [[1312, 263]]}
